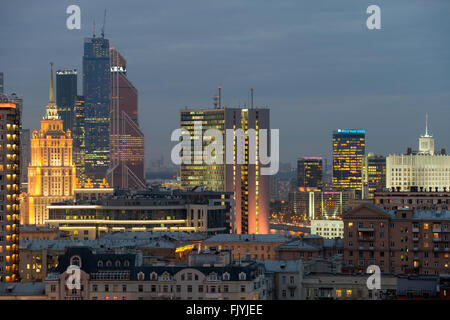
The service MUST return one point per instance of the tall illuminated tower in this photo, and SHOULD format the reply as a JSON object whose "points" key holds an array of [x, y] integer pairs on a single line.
{"points": [[10, 127], [250, 188], [79, 142], [52, 174], [126, 138], [348, 153], [97, 95]]}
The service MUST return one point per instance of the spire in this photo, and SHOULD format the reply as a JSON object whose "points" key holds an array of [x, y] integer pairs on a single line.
{"points": [[51, 94], [426, 124], [51, 112]]}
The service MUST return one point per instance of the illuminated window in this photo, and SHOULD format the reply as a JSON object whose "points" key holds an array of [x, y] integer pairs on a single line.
{"points": [[338, 293], [350, 224], [349, 293]]}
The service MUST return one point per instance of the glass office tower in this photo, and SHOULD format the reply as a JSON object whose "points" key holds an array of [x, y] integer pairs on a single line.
{"points": [[97, 93], [348, 154], [79, 145], [66, 94], [310, 172]]}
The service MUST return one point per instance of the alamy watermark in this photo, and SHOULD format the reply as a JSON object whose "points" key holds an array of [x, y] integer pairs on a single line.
{"points": [[74, 279], [234, 151]]}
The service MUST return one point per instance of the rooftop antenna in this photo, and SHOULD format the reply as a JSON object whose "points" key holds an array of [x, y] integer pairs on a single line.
{"points": [[103, 27], [220, 96], [251, 91], [93, 31], [426, 124]]}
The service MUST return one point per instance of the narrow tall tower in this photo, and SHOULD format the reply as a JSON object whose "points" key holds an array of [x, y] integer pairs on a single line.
{"points": [[426, 142]]}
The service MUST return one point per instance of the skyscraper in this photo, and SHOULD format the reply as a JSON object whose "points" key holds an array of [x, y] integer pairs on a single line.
{"points": [[10, 127], [97, 93], [126, 138], [51, 175], [79, 143], [374, 174], [250, 188], [348, 153], [310, 172], [66, 94]]}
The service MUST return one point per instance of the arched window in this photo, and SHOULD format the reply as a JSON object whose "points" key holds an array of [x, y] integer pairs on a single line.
{"points": [[100, 264], [165, 276], [141, 276], [126, 263], [109, 263], [213, 276], [76, 261], [226, 276], [242, 276], [154, 276], [118, 263]]}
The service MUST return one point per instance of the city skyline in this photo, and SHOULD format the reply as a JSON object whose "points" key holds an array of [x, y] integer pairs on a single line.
{"points": [[296, 65]]}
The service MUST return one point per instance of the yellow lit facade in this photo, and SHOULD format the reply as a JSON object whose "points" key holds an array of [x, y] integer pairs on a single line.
{"points": [[348, 154], [51, 174]]}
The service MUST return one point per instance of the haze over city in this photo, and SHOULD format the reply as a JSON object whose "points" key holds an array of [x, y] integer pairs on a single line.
{"points": [[315, 64]]}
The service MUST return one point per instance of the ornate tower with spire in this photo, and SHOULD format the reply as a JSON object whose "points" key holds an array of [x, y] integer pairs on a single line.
{"points": [[426, 142], [51, 173]]}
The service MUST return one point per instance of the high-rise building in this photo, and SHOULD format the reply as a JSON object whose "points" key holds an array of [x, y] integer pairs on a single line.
{"points": [[348, 154], [250, 188], [79, 143], [97, 95], [51, 174], [374, 174], [423, 170], [126, 138], [10, 127], [66, 94], [1, 83], [25, 158], [310, 172]]}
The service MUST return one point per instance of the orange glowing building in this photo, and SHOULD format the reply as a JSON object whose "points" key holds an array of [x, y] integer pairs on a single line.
{"points": [[51, 174]]}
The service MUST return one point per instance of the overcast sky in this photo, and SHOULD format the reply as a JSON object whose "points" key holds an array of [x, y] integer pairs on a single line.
{"points": [[313, 62]]}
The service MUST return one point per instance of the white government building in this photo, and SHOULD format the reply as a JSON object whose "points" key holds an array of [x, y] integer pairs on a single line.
{"points": [[423, 169]]}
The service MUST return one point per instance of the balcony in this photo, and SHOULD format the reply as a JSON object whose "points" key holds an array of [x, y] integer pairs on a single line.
{"points": [[415, 238], [415, 229], [437, 229], [437, 239], [365, 239]]}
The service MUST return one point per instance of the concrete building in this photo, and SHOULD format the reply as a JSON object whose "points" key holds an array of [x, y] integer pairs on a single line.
{"points": [[255, 246], [145, 210], [401, 241], [110, 277], [424, 170], [10, 162], [329, 229], [242, 175], [415, 200], [310, 247]]}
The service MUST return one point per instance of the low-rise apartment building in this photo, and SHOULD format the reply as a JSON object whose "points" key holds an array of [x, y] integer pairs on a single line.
{"points": [[400, 241]]}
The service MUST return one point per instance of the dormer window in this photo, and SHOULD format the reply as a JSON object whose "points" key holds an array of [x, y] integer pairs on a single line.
{"points": [[141, 276], [226, 276], [75, 261], [109, 263], [242, 276], [126, 263], [118, 264], [100, 264], [154, 276]]}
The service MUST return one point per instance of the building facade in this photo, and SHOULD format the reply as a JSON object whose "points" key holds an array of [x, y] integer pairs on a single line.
{"points": [[97, 99], [348, 154], [79, 142], [66, 94], [402, 241], [10, 128], [51, 174], [424, 200], [328, 228], [424, 170], [310, 172], [374, 175], [244, 179], [126, 138]]}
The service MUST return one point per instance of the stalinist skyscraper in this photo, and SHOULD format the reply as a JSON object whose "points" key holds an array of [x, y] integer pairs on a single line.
{"points": [[51, 174]]}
